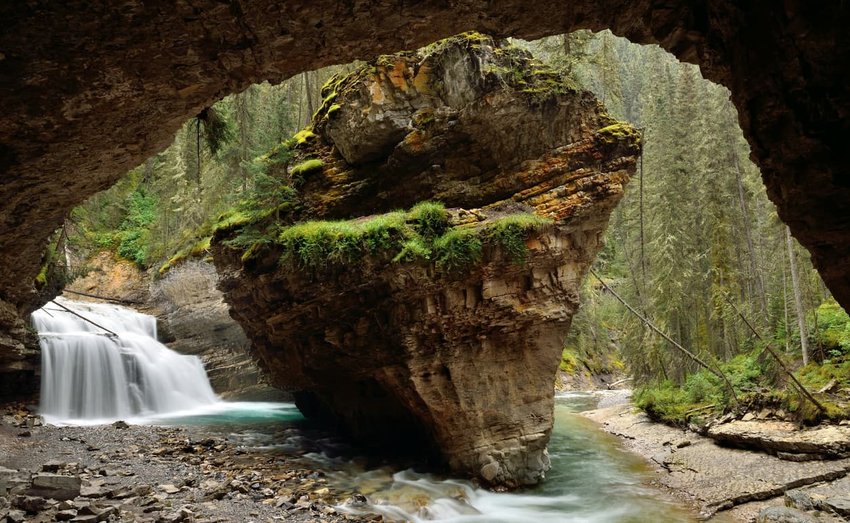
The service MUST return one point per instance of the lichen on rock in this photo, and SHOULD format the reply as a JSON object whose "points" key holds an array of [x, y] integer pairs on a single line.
{"points": [[438, 328]]}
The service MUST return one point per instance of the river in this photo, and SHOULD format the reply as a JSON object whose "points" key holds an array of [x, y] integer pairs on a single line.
{"points": [[592, 480]]}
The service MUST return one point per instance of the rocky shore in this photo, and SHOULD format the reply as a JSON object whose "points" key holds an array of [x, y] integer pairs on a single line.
{"points": [[742, 471], [152, 474]]}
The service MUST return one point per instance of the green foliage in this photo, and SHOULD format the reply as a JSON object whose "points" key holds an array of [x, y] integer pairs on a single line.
{"points": [[833, 328], [569, 361], [217, 129], [815, 376], [665, 401], [457, 249], [510, 233], [430, 218], [422, 234], [133, 232], [672, 403], [46, 261], [319, 243], [413, 250]]}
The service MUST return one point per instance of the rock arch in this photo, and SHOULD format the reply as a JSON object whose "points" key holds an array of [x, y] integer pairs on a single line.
{"points": [[92, 88]]}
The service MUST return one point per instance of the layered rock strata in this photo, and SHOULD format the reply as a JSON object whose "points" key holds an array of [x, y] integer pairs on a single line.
{"points": [[91, 90], [406, 347]]}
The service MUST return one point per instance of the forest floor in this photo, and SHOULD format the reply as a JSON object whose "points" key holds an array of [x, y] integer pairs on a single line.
{"points": [[724, 483], [151, 474]]}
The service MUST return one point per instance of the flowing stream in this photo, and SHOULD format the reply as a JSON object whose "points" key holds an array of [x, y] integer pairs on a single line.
{"points": [[112, 366], [91, 376], [592, 480]]}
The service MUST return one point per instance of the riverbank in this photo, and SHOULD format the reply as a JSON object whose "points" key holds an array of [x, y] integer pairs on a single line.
{"points": [[731, 484], [152, 474]]}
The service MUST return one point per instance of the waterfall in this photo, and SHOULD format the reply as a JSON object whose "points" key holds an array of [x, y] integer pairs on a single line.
{"points": [[89, 374]]}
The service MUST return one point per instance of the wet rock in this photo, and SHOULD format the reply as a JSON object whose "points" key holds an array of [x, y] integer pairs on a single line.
{"points": [[56, 486], [784, 515], [120, 424]]}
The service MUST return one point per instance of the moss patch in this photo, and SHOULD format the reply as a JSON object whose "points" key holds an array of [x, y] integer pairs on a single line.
{"points": [[511, 232], [617, 132], [422, 234], [306, 167]]}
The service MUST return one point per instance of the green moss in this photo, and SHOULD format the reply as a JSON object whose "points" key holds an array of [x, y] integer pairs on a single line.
{"points": [[422, 234], [617, 132], [41, 278], [815, 377], [333, 108], [303, 136], [430, 218], [174, 261], [569, 362], [306, 167], [423, 118], [511, 233], [231, 219], [201, 246], [457, 249], [664, 402], [413, 250], [833, 328]]}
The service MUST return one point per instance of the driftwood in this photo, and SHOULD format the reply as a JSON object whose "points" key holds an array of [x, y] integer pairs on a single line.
{"points": [[110, 333], [696, 359], [803, 390], [104, 298]]}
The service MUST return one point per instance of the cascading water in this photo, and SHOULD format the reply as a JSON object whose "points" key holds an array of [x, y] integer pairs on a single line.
{"points": [[90, 375]]}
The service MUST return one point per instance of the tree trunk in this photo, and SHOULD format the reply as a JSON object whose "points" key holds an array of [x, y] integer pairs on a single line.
{"points": [[755, 275], [798, 297], [308, 93]]}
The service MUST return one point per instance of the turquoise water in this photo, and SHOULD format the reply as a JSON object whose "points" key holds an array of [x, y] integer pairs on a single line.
{"points": [[592, 479]]}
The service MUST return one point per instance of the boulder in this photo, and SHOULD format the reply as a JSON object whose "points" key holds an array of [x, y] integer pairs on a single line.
{"points": [[55, 486]]}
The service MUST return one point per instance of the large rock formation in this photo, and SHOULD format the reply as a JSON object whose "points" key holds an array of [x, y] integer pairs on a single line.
{"points": [[91, 89], [438, 329]]}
